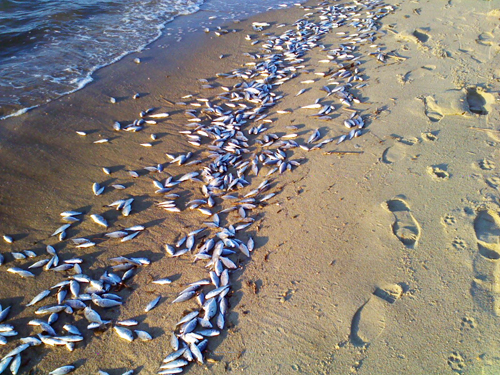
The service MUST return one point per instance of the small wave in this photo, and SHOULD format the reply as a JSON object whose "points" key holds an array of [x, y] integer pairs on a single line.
{"points": [[78, 42]]}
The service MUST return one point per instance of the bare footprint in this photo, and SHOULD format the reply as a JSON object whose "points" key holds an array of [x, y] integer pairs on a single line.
{"points": [[394, 153], [421, 35], [479, 101], [429, 136], [449, 103], [485, 288], [405, 227], [493, 181], [369, 321], [438, 173], [485, 39]]}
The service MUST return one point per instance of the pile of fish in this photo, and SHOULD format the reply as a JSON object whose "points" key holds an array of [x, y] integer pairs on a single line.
{"points": [[227, 127]]}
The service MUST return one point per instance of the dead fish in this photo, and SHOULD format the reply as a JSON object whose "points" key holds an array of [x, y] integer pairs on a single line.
{"points": [[143, 335], [124, 333], [3, 314], [17, 350], [62, 370], [18, 256], [174, 364], [136, 228], [99, 220], [104, 302], [70, 213], [15, 364], [184, 297], [116, 234], [151, 305], [130, 237], [159, 115], [92, 316], [20, 272], [314, 136], [5, 363], [60, 229], [39, 297], [128, 323], [342, 139], [45, 310], [301, 92], [97, 189], [312, 106]]}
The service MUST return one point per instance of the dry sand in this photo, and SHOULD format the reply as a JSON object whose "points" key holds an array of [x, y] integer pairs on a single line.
{"points": [[383, 261]]}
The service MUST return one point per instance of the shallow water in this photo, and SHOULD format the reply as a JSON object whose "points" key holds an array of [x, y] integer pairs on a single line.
{"points": [[51, 48]]}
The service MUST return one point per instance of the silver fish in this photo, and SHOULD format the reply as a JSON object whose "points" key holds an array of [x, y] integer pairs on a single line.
{"points": [[143, 335], [20, 272], [15, 364], [99, 220], [62, 370], [92, 316], [124, 333], [61, 229], [130, 237], [17, 350], [151, 305], [184, 297], [5, 363], [174, 364], [39, 297], [128, 323], [97, 189]]}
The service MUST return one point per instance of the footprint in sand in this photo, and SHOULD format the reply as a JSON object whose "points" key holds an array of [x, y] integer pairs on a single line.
{"points": [[369, 321], [479, 101], [429, 136], [421, 35], [438, 172], [456, 362], [486, 39], [485, 288], [459, 244], [448, 220], [398, 151], [486, 165], [405, 227], [493, 181], [394, 153], [449, 103], [467, 324]]}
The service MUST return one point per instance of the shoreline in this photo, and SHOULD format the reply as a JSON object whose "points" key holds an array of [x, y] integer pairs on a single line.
{"points": [[185, 23], [364, 263]]}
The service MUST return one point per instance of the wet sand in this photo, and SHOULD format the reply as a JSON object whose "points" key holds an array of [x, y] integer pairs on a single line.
{"points": [[383, 260]]}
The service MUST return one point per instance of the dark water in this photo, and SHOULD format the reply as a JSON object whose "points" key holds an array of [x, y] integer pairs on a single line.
{"points": [[49, 48]]}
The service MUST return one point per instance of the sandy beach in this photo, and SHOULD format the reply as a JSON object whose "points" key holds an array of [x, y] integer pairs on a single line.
{"points": [[377, 255]]}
